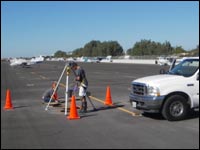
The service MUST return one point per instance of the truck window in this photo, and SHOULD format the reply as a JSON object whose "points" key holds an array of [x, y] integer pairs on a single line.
{"points": [[186, 68]]}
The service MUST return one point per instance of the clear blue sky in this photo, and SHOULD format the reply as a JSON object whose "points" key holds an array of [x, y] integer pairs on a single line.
{"points": [[34, 28]]}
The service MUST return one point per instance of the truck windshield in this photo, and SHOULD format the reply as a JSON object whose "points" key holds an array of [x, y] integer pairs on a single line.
{"points": [[186, 68]]}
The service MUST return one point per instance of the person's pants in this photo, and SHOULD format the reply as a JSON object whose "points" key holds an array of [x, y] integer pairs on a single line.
{"points": [[82, 91], [84, 105], [46, 100]]}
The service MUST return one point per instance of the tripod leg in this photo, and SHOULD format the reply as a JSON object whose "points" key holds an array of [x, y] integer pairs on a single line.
{"points": [[94, 108], [55, 88]]}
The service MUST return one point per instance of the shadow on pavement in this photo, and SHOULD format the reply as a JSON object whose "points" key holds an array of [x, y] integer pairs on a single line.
{"points": [[192, 115], [20, 106], [109, 107]]}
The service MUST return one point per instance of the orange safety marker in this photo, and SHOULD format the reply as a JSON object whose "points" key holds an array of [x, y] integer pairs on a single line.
{"points": [[73, 114], [8, 104], [108, 100]]}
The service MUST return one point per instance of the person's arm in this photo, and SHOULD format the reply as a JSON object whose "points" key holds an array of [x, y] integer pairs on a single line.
{"points": [[55, 96], [77, 78]]}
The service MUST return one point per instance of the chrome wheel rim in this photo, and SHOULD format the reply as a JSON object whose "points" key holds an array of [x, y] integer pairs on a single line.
{"points": [[176, 109]]}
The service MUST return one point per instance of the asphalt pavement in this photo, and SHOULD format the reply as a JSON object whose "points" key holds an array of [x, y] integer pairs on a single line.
{"points": [[30, 126]]}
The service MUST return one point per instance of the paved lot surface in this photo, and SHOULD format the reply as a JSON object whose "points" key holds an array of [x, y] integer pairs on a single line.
{"points": [[28, 125]]}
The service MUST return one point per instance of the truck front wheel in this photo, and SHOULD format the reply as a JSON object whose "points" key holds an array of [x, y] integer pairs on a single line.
{"points": [[175, 108]]}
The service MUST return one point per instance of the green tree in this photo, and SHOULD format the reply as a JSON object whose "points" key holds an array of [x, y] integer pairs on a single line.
{"points": [[96, 48], [60, 53], [148, 47], [178, 50]]}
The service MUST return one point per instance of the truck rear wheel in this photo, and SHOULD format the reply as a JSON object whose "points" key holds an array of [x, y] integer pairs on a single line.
{"points": [[175, 108]]}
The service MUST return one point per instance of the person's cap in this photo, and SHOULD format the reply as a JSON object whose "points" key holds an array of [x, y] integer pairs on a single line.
{"points": [[72, 64]]}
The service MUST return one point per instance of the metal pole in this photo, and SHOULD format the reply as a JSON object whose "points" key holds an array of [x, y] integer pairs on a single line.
{"points": [[67, 89], [55, 88], [66, 94]]}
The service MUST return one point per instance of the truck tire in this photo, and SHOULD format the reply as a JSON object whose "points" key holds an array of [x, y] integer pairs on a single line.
{"points": [[175, 108]]}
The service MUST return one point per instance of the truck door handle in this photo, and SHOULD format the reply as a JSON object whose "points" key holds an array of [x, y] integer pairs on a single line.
{"points": [[190, 84]]}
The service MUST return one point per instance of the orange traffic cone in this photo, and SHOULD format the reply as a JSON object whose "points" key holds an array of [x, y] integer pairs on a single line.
{"points": [[8, 104], [73, 114], [108, 100]]}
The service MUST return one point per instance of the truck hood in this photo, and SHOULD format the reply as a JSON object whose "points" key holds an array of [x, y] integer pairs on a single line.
{"points": [[159, 79]]}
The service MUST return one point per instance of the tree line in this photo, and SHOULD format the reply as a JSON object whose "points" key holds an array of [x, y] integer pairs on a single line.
{"points": [[97, 48], [144, 47], [148, 47]]}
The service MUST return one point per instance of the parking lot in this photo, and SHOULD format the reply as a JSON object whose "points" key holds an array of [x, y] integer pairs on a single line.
{"points": [[28, 125]]}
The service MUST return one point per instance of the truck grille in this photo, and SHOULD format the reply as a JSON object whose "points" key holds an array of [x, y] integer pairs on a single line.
{"points": [[139, 89]]}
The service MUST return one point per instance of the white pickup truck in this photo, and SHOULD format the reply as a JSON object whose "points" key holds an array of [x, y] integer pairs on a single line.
{"points": [[172, 94]]}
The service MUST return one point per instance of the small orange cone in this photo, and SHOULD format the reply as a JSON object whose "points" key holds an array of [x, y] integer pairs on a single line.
{"points": [[108, 100], [8, 104], [73, 114]]}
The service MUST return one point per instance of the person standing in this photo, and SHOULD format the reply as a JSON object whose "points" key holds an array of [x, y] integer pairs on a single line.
{"points": [[80, 76]]}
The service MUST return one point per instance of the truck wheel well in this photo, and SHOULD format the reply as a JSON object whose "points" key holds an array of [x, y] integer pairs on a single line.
{"points": [[177, 93]]}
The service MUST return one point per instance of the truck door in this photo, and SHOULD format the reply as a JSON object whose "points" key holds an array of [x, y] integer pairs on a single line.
{"points": [[193, 89], [196, 92]]}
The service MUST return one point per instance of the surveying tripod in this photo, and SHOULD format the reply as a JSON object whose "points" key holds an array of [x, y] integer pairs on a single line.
{"points": [[67, 68]]}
